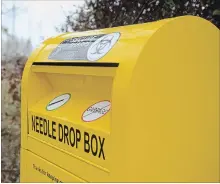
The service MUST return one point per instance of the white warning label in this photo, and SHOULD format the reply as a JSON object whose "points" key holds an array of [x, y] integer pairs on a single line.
{"points": [[96, 111], [58, 102]]}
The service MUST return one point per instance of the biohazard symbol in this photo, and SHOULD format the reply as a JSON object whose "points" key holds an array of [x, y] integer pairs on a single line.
{"points": [[102, 45]]}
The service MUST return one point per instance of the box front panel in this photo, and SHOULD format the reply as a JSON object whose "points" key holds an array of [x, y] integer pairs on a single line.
{"points": [[37, 169], [70, 115]]}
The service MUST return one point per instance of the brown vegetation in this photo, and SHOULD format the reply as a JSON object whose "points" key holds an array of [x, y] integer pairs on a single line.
{"points": [[10, 125]]}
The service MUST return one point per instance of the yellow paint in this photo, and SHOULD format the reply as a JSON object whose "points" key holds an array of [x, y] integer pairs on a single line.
{"points": [[163, 125]]}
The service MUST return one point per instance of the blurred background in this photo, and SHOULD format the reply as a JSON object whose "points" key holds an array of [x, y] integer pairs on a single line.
{"points": [[25, 24]]}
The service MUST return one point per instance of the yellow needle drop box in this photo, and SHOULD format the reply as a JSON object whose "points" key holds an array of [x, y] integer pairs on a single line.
{"points": [[137, 103]]}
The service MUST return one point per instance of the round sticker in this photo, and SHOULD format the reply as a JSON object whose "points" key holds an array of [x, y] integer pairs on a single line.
{"points": [[96, 111], [101, 46], [58, 102]]}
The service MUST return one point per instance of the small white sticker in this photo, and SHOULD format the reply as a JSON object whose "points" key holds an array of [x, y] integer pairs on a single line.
{"points": [[96, 111], [101, 46], [58, 102]]}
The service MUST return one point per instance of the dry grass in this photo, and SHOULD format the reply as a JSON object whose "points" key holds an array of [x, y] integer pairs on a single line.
{"points": [[10, 125]]}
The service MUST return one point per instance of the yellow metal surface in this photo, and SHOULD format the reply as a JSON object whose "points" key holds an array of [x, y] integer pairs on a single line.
{"points": [[44, 171], [154, 117]]}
